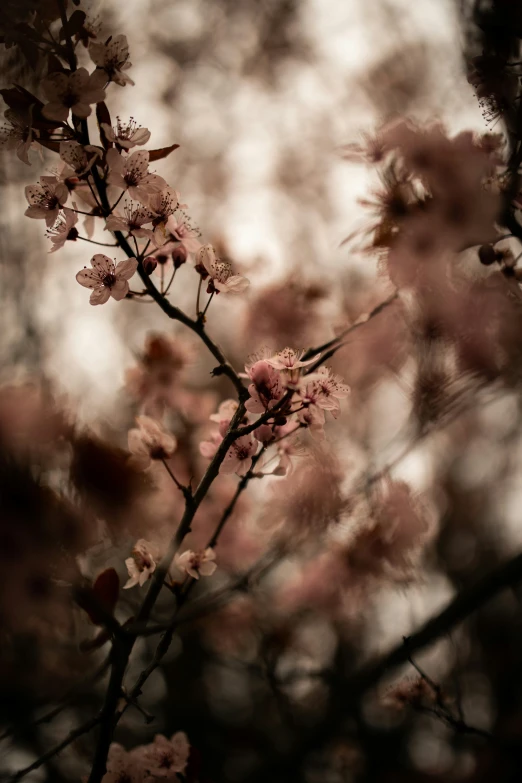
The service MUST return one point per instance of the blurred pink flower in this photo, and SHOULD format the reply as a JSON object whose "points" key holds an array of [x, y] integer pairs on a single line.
{"points": [[45, 199], [72, 92], [126, 135], [149, 442], [208, 448], [132, 173], [107, 278], [197, 564], [142, 564], [123, 767], [112, 57], [164, 758], [224, 415]]}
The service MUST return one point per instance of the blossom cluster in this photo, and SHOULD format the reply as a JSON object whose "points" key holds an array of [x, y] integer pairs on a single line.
{"points": [[289, 399]]}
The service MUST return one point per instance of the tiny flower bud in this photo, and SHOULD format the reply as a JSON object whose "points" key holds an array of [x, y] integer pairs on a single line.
{"points": [[149, 265], [179, 256]]}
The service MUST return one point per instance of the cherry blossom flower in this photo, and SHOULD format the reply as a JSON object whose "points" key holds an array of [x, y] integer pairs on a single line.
{"points": [[72, 92], [220, 273], [181, 228], [149, 442], [197, 564], [113, 58], [288, 447], [126, 135], [208, 448], [46, 199], [132, 173], [163, 758], [17, 134], [142, 564], [164, 205], [63, 229], [224, 415], [80, 158], [123, 767], [133, 220], [288, 359], [238, 458], [266, 389], [313, 418], [324, 389], [107, 278]]}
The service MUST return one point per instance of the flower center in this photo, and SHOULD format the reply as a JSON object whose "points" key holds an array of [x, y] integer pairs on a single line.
{"points": [[109, 280]]}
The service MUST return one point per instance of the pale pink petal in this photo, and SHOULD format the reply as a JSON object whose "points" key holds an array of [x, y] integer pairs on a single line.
{"points": [[126, 269]]}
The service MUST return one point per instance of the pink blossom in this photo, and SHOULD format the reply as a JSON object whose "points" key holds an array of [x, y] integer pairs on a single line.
{"points": [[149, 442], [46, 199], [113, 58], [72, 92], [224, 415], [288, 359], [133, 220], [197, 564], [181, 228], [164, 205], [80, 158], [126, 135], [266, 389], [164, 758], [123, 767], [324, 390], [63, 229], [238, 458], [208, 448], [142, 564], [132, 173], [220, 273], [313, 418], [107, 278], [18, 135]]}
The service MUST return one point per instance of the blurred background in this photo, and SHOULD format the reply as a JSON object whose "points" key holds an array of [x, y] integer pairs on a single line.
{"points": [[262, 96]]}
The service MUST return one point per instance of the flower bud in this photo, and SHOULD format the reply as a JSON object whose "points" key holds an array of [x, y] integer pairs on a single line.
{"points": [[149, 265], [179, 256]]}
